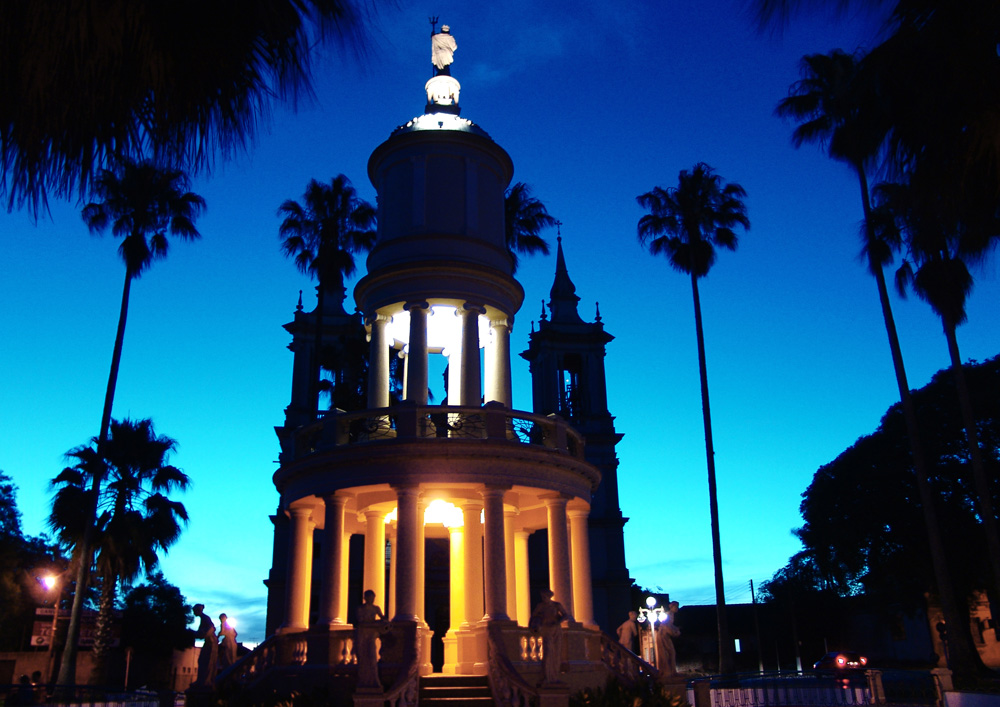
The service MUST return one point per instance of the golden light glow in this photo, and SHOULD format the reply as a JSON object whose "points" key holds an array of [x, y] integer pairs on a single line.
{"points": [[445, 513], [50, 581], [437, 511]]}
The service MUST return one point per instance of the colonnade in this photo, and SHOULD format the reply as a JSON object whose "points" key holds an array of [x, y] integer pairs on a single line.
{"points": [[465, 377], [488, 560]]}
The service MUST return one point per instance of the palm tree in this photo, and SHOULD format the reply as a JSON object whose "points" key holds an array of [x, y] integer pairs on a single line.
{"points": [[120, 84], [836, 105], [136, 519], [524, 218], [323, 234], [938, 239], [686, 223], [142, 203]]}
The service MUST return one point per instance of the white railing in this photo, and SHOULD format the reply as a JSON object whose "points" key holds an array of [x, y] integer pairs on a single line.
{"points": [[405, 421]]}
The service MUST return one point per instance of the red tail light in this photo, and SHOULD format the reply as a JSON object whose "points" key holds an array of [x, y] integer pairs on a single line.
{"points": [[841, 661], [864, 661]]}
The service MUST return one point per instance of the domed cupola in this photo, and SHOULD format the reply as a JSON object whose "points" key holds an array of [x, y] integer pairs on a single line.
{"points": [[441, 235]]}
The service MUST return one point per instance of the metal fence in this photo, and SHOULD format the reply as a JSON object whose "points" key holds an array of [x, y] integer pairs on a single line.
{"points": [[871, 687], [83, 696]]}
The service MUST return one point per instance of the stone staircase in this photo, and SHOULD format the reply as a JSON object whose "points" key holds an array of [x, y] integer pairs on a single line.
{"points": [[437, 690]]}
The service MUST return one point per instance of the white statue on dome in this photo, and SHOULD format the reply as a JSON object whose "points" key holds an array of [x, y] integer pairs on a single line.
{"points": [[443, 48]]}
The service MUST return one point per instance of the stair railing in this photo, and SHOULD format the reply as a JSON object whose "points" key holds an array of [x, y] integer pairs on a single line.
{"points": [[623, 663], [508, 687]]}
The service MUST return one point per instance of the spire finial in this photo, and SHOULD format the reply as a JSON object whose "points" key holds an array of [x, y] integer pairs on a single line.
{"points": [[543, 317], [298, 307], [597, 305]]}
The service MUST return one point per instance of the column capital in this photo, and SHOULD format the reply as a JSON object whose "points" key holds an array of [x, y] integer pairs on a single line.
{"points": [[494, 490], [500, 322], [410, 306], [407, 489], [577, 512], [301, 512], [469, 503], [555, 498], [470, 307], [371, 319]]}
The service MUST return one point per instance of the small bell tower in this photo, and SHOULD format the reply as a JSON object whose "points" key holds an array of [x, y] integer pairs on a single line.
{"points": [[566, 357]]}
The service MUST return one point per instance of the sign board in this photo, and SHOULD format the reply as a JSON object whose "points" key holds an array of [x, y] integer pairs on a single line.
{"points": [[41, 632]]}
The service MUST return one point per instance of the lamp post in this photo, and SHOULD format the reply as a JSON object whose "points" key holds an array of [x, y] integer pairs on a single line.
{"points": [[652, 614], [52, 582]]}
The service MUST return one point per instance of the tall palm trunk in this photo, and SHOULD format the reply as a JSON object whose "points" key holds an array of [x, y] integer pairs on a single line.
{"points": [[84, 553], [962, 655], [725, 647], [103, 630], [982, 483]]}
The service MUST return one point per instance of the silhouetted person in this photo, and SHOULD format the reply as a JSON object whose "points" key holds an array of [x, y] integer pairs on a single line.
{"points": [[24, 694]]}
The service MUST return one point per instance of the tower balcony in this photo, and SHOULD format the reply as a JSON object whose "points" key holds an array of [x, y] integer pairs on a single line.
{"points": [[433, 444]]}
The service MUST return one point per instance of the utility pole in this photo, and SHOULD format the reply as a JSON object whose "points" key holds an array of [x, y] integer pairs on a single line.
{"points": [[756, 625]]}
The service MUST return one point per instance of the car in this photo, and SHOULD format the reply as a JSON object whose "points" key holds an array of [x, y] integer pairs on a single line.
{"points": [[841, 662]]}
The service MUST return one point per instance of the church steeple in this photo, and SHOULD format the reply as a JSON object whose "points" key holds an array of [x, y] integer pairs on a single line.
{"points": [[567, 378], [562, 297]]}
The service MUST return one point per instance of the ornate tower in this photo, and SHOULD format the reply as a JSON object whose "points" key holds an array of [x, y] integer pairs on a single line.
{"points": [[566, 355], [376, 489]]}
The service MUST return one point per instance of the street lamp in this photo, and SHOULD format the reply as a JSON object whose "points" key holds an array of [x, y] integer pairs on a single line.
{"points": [[652, 614], [51, 582]]}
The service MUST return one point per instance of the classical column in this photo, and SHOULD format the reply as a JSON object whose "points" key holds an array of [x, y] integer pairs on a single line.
{"points": [[374, 577], [392, 542], [454, 351], [498, 385], [332, 583], [472, 379], [421, 550], [299, 570], [559, 576], [345, 563], [521, 580], [583, 596], [456, 579], [416, 358], [495, 556], [473, 544], [456, 594], [508, 546], [378, 372], [407, 566]]}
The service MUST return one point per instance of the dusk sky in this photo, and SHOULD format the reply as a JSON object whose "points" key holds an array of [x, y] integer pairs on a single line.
{"points": [[595, 104]]}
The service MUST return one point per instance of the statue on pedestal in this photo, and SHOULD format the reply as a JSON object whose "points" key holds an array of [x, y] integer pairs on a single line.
{"points": [[443, 48], [547, 620], [371, 622], [209, 650]]}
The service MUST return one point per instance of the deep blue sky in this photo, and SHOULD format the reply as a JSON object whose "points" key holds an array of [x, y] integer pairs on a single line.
{"points": [[595, 104]]}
